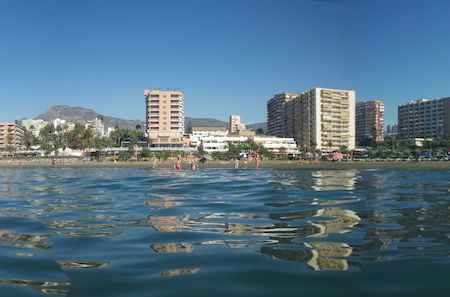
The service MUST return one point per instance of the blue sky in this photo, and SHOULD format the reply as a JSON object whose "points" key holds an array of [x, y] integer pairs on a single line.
{"points": [[228, 57]]}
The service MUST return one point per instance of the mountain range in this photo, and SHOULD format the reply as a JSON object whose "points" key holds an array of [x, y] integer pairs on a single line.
{"points": [[82, 115]]}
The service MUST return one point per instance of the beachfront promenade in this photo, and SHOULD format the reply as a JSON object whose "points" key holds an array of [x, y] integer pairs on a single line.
{"points": [[229, 164]]}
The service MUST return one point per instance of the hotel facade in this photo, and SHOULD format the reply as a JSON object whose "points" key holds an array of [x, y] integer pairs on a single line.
{"points": [[164, 118], [369, 122], [321, 119], [10, 134], [424, 118], [275, 121]]}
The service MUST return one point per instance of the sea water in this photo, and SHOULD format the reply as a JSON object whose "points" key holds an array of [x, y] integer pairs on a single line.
{"points": [[224, 232]]}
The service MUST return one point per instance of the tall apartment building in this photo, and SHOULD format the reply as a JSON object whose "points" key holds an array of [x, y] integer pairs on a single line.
{"points": [[165, 117], [275, 121], [369, 122], [235, 124], [10, 134], [424, 118], [322, 119]]}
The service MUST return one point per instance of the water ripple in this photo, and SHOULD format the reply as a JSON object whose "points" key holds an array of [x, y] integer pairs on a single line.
{"points": [[135, 232]]}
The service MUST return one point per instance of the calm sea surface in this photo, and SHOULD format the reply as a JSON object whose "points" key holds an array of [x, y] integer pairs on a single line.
{"points": [[224, 232]]}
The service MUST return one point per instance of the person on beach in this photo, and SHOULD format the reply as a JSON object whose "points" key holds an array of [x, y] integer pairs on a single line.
{"points": [[177, 165], [154, 162], [257, 160], [193, 165], [236, 162]]}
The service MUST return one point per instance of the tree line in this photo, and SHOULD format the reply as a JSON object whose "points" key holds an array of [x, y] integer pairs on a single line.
{"points": [[83, 138]]}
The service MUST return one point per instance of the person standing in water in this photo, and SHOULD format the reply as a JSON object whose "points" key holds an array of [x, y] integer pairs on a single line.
{"points": [[257, 160], [177, 165], [154, 162], [193, 165], [236, 163]]}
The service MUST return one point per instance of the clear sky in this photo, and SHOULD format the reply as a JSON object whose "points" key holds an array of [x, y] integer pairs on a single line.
{"points": [[228, 57]]}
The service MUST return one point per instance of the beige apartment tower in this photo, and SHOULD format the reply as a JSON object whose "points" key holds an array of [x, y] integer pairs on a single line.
{"points": [[10, 134], [275, 120], [369, 122], [321, 119], [165, 118], [235, 124]]}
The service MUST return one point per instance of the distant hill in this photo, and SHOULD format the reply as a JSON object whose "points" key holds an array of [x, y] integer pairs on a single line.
{"points": [[82, 115], [205, 122], [257, 126]]}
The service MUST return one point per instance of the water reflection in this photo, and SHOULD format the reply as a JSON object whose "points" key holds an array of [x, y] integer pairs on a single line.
{"points": [[25, 254], [333, 180], [324, 253], [318, 256], [162, 201], [82, 265], [342, 220], [168, 223], [173, 247], [77, 228], [24, 240], [87, 234], [101, 227], [45, 287], [178, 272], [239, 243]]}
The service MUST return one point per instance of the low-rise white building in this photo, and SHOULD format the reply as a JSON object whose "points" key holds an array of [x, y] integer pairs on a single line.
{"points": [[58, 123], [213, 144], [276, 145], [199, 132], [109, 130], [97, 126]]}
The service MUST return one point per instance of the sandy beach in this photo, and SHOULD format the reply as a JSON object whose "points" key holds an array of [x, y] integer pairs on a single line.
{"points": [[230, 165]]}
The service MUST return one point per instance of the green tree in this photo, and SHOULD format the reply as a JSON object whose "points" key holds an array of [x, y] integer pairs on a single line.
{"points": [[146, 153], [28, 139], [47, 138]]}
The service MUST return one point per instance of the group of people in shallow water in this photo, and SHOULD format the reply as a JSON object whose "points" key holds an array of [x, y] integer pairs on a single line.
{"points": [[244, 158], [193, 165]]}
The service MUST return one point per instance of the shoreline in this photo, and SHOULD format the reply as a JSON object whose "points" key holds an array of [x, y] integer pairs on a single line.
{"points": [[230, 165]]}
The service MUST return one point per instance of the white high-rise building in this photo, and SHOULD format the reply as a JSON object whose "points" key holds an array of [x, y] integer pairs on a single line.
{"points": [[424, 118]]}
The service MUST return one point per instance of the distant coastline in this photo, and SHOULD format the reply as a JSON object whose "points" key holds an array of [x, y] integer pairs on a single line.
{"points": [[230, 165]]}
